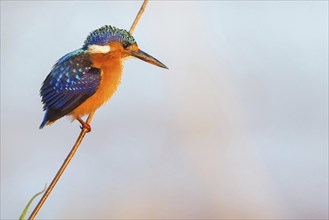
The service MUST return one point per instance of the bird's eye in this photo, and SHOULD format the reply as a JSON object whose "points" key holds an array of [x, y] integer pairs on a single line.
{"points": [[125, 45]]}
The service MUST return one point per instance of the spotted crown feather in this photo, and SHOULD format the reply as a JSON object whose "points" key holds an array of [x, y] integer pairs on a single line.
{"points": [[107, 34]]}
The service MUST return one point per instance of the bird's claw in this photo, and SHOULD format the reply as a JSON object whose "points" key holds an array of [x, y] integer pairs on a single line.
{"points": [[86, 126]]}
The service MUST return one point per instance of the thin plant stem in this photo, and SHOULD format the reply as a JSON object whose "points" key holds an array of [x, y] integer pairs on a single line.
{"points": [[78, 141], [138, 16], [61, 170]]}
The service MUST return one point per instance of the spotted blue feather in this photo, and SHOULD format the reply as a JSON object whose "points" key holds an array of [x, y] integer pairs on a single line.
{"points": [[71, 81], [107, 34]]}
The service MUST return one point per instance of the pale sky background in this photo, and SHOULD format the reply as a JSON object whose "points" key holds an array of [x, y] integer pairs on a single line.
{"points": [[236, 128]]}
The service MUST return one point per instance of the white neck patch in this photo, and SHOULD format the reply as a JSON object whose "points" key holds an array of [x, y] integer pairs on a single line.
{"points": [[98, 49], [126, 58]]}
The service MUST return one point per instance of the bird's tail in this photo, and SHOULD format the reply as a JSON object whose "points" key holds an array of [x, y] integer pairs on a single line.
{"points": [[44, 121]]}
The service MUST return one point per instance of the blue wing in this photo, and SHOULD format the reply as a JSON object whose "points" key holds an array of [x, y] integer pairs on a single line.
{"points": [[71, 81]]}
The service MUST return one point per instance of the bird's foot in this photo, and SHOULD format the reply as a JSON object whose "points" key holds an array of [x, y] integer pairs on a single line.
{"points": [[84, 125]]}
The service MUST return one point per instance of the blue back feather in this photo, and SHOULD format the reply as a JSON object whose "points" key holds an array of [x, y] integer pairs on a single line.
{"points": [[71, 81]]}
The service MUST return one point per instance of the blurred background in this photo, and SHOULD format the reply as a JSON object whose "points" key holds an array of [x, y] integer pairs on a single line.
{"points": [[236, 128]]}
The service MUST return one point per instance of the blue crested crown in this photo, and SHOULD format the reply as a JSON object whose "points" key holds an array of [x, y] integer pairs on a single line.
{"points": [[107, 34]]}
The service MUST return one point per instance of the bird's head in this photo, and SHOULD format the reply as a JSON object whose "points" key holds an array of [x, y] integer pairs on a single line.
{"points": [[109, 39]]}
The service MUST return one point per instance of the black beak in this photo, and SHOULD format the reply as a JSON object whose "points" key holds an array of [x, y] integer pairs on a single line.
{"points": [[147, 58]]}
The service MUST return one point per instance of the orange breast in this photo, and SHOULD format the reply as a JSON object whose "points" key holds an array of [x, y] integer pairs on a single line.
{"points": [[111, 71]]}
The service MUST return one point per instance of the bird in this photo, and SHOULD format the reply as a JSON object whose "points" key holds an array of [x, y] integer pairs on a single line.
{"points": [[83, 80]]}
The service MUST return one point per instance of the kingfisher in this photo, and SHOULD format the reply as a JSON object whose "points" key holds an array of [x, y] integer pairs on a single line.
{"points": [[83, 80]]}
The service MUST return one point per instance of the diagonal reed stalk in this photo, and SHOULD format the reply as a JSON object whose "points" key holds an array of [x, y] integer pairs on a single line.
{"points": [[79, 139], [138, 16]]}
